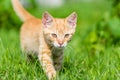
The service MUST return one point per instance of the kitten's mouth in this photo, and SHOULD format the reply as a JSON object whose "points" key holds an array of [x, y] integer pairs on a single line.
{"points": [[60, 46]]}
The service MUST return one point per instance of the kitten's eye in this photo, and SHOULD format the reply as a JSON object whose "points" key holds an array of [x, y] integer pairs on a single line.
{"points": [[54, 35], [67, 35]]}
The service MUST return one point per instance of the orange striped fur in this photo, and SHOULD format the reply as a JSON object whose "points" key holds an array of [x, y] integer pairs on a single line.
{"points": [[46, 37]]}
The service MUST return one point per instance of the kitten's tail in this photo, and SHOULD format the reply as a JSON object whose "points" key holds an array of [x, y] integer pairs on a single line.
{"points": [[20, 11]]}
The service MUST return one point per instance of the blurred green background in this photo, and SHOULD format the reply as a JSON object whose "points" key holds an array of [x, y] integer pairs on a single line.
{"points": [[93, 54]]}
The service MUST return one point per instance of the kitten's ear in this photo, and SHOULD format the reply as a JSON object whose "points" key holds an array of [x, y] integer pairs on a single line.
{"points": [[72, 20], [47, 19]]}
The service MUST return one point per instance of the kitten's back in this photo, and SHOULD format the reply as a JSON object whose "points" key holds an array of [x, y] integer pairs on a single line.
{"points": [[29, 35]]}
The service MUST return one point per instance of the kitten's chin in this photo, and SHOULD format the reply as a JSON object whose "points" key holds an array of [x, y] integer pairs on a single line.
{"points": [[59, 47]]}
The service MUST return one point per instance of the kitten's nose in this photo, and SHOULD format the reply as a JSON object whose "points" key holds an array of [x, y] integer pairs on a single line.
{"points": [[60, 43]]}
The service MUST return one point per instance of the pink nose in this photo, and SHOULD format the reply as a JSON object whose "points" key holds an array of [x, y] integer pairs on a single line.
{"points": [[60, 43]]}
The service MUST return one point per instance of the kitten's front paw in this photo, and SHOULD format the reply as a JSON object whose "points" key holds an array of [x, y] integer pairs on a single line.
{"points": [[52, 75]]}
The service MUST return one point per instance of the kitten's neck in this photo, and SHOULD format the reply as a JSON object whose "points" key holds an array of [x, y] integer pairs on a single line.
{"points": [[57, 51]]}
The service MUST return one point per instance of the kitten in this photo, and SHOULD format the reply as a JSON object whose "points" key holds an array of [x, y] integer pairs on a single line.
{"points": [[46, 37]]}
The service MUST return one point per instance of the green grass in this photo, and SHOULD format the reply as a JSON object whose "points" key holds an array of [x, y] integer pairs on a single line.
{"points": [[79, 62], [83, 60]]}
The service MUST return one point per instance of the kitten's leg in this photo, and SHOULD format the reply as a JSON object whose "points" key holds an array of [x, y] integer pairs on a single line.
{"points": [[47, 64], [58, 61]]}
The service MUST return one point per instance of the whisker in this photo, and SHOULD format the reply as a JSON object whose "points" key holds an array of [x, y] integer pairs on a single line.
{"points": [[69, 47]]}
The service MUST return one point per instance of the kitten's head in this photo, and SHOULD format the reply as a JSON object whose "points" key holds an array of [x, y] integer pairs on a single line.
{"points": [[58, 32]]}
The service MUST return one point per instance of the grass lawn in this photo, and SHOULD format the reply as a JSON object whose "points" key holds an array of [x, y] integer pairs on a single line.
{"points": [[79, 62], [82, 61]]}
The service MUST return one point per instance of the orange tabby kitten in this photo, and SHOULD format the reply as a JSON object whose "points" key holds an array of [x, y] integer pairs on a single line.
{"points": [[46, 38]]}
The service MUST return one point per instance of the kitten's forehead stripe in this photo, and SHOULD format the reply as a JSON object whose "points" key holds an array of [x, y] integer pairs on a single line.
{"points": [[60, 26]]}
